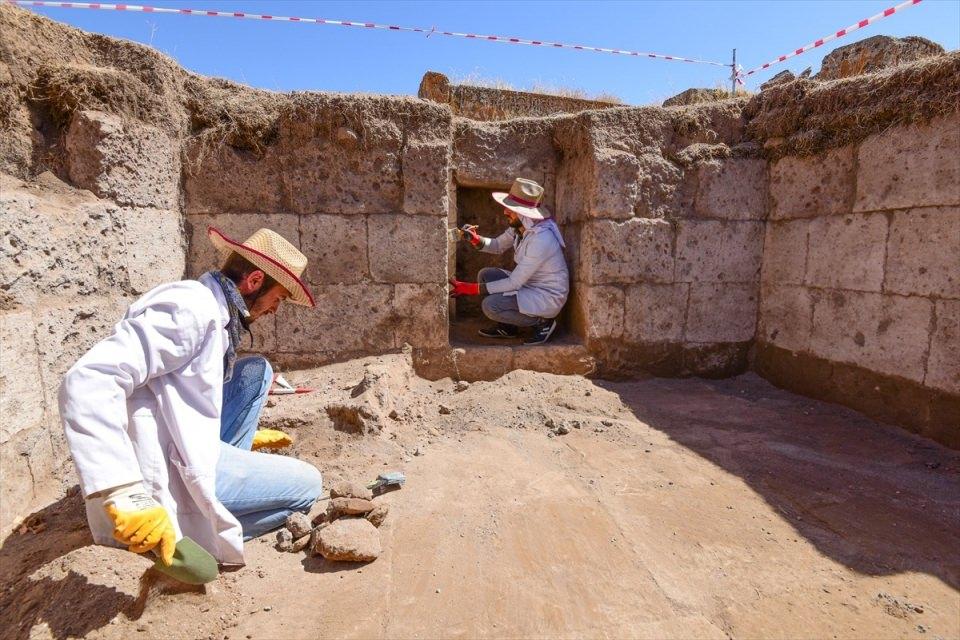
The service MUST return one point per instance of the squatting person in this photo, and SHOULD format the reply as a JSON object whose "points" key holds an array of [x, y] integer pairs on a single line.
{"points": [[533, 294], [161, 416]]}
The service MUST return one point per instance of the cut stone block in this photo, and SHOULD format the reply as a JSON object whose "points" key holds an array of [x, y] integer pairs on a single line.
{"points": [[154, 246], [718, 251], [130, 163], [494, 154], [201, 254], [812, 186], [785, 252], [472, 363], [22, 400], [943, 366], [722, 312], [733, 189], [847, 251], [602, 311], [221, 179], [663, 192], [336, 248], [559, 359], [615, 185], [923, 253], [785, 315], [910, 166], [886, 333], [574, 182], [655, 312], [406, 248], [421, 315], [638, 250], [426, 179]]}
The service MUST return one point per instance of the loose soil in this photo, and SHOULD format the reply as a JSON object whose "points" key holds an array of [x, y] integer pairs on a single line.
{"points": [[672, 508]]}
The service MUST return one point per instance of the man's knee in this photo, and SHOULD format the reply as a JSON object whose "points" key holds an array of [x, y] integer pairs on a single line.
{"points": [[311, 485]]}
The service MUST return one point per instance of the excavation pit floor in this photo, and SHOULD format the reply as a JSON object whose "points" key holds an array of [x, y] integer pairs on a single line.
{"points": [[671, 509]]}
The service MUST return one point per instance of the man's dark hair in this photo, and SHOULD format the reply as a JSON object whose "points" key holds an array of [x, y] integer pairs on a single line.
{"points": [[237, 267]]}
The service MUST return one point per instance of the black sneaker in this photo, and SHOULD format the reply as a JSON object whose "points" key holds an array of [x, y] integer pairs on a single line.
{"points": [[541, 332], [500, 330]]}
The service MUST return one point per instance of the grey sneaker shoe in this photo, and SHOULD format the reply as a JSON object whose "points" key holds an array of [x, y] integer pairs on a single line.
{"points": [[541, 332], [500, 330]]}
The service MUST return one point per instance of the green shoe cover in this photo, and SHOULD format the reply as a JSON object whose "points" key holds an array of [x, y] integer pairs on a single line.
{"points": [[191, 563]]}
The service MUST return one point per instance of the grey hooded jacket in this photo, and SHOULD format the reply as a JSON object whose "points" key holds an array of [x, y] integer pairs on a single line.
{"points": [[540, 280]]}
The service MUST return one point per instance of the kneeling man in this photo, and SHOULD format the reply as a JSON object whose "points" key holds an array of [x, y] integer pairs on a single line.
{"points": [[533, 294], [161, 416]]}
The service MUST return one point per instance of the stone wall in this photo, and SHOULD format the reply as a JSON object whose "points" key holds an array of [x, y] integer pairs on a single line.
{"points": [[860, 300]]}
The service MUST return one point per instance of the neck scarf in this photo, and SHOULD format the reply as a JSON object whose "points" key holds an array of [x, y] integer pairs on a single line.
{"points": [[238, 319]]}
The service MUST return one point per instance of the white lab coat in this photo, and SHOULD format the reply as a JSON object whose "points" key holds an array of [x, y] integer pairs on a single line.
{"points": [[144, 405], [540, 280]]}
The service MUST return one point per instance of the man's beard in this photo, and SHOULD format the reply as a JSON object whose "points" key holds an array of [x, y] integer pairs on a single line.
{"points": [[517, 224]]}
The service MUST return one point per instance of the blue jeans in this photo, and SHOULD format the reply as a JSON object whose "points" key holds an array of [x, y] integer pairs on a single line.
{"points": [[259, 489], [503, 308]]}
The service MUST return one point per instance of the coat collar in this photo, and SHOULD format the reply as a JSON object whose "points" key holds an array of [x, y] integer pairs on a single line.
{"points": [[210, 283]]}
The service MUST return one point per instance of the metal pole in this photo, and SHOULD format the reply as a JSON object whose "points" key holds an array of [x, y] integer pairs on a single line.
{"points": [[733, 76]]}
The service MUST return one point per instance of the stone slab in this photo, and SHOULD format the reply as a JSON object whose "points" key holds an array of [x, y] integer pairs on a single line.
{"points": [[615, 185], [813, 186], [420, 312], [665, 190], [719, 251], [22, 397], [559, 359], [638, 250], [426, 178], [222, 179], [785, 252], [722, 312], [785, 315], [493, 154], [847, 251], [910, 166], [655, 312], [885, 333], [405, 248], [155, 247], [943, 366], [923, 252], [732, 189], [336, 248], [601, 309]]}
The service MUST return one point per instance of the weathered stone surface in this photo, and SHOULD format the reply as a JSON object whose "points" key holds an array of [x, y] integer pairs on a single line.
{"points": [[420, 312], [785, 315], [347, 489], [336, 248], [284, 540], [557, 358], [154, 246], [378, 515], [28, 465], [298, 524], [923, 253], [226, 180], [886, 333], [943, 366], [600, 309], [22, 400], [718, 251], [875, 53], [493, 154], [722, 312], [128, 162], [349, 540], [574, 184], [661, 188], [201, 254], [812, 186], [910, 166], [638, 250], [395, 239], [847, 251], [301, 543], [734, 189], [348, 319], [426, 178], [785, 252], [472, 363], [655, 312], [349, 507], [616, 184]]}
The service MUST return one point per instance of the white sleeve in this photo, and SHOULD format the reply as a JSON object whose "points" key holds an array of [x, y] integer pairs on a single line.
{"points": [[499, 244], [93, 396]]}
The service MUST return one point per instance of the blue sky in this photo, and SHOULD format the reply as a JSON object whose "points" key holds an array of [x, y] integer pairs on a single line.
{"points": [[288, 56]]}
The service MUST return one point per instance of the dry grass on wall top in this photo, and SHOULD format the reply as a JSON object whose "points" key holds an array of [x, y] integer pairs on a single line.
{"points": [[805, 116]]}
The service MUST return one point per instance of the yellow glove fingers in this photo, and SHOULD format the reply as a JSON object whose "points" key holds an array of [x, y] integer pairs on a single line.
{"points": [[168, 544], [141, 524]]}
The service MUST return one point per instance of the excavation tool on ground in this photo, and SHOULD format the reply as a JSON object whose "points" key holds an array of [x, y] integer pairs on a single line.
{"points": [[283, 388], [192, 563], [386, 480]]}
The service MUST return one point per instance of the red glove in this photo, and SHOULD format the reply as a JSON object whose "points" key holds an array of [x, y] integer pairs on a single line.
{"points": [[463, 288], [470, 231]]}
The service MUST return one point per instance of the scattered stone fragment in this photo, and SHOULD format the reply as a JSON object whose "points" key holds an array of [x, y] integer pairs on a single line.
{"points": [[347, 489], [348, 507], [348, 540], [284, 540], [378, 515], [444, 410], [301, 543], [393, 415], [347, 138], [606, 423], [562, 430], [461, 385], [299, 525]]}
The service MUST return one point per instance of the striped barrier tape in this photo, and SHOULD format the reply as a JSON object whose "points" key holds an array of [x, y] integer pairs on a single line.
{"points": [[839, 34], [349, 23]]}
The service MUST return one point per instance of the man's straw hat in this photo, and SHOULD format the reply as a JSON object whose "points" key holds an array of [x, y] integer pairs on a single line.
{"points": [[269, 252], [524, 199]]}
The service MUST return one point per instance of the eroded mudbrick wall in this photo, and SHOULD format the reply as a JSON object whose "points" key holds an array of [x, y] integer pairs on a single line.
{"points": [[860, 294]]}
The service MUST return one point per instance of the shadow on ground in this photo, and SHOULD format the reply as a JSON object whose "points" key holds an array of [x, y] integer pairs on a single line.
{"points": [[873, 497]]}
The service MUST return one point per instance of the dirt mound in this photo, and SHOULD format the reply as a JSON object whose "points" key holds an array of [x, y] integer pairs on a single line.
{"points": [[696, 96], [875, 54]]}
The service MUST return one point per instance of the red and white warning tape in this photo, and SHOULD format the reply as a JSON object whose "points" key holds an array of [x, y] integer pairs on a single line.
{"points": [[347, 23], [839, 34]]}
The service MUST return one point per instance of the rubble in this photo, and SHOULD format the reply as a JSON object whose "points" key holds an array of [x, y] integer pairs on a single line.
{"points": [[298, 524], [348, 540], [348, 489], [378, 514]]}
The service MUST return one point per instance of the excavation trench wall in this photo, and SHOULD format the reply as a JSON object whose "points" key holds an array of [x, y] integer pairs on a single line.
{"points": [[765, 232]]}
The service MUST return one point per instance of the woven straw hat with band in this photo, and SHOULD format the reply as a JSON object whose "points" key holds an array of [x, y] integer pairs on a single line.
{"points": [[271, 253], [524, 199]]}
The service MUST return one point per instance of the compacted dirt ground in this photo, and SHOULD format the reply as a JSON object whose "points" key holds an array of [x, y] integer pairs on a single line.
{"points": [[671, 508]]}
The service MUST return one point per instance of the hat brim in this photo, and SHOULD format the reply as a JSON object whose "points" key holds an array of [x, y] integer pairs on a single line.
{"points": [[298, 290], [534, 213]]}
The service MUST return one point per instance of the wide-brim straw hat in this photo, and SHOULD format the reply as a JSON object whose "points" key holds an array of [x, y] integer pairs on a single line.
{"points": [[524, 199], [272, 254]]}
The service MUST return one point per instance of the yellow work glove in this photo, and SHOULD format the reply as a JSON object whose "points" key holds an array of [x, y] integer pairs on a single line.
{"points": [[270, 439], [140, 522]]}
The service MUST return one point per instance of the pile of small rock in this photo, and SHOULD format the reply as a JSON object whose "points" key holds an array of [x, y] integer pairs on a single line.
{"points": [[347, 531]]}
